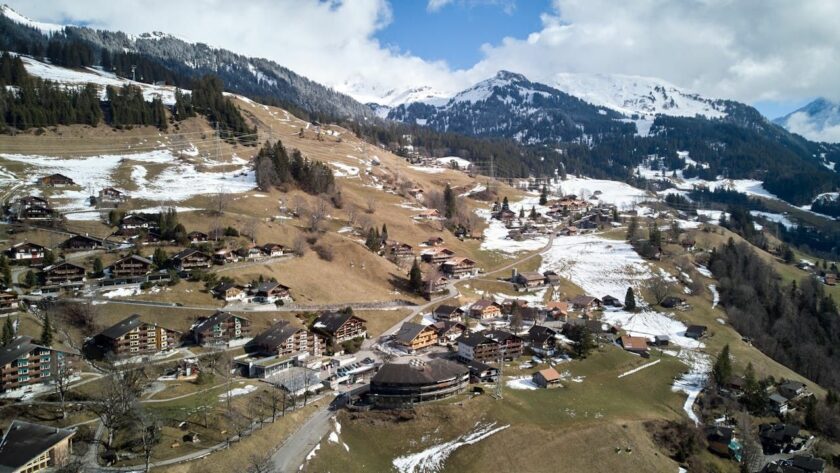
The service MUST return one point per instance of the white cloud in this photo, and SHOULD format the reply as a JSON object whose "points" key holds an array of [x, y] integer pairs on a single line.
{"points": [[803, 124], [747, 50], [436, 5]]}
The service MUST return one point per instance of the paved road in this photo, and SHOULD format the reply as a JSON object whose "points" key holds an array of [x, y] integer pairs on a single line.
{"points": [[292, 453]]}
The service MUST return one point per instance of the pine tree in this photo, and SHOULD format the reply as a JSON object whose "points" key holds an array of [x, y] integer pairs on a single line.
{"points": [[630, 299], [521, 212], [544, 195], [415, 277], [46, 332], [49, 258], [505, 204], [633, 229], [383, 236], [722, 369], [8, 331], [97, 267], [449, 202], [160, 258], [31, 279], [533, 215]]}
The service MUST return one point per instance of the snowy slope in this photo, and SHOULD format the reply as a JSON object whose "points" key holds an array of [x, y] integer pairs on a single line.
{"points": [[47, 28], [637, 95], [75, 78], [817, 121]]}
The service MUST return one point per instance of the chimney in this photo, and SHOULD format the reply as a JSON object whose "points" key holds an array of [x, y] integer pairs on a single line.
{"points": [[513, 274]]}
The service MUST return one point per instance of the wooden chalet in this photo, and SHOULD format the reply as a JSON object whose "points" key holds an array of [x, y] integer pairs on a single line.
{"points": [[56, 180], [610, 301], [528, 279], [448, 312], [26, 447], [229, 291], [63, 273], [542, 340], [225, 256], [250, 252], [585, 303], [510, 345], [459, 267], [134, 337], [339, 327], [25, 364], [81, 243], [26, 251], [269, 292], [557, 310], [135, 223], [111, 196], [9, 301], [436, 255], [428, 214], [399, 253], [434, 241], [637, 345], [32, 208], [284, 339], [413, 337], [547, 378], [191, 259], [448, 330], [274, 250], [196, 237], [221, 328], [435, 285], [131, 266], [484, 309], [476, 346]]}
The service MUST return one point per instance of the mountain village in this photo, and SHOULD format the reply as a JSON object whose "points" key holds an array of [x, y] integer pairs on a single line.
{"points": [[174, 299]]}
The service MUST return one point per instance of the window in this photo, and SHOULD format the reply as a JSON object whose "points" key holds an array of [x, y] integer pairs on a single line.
{"points": [[45, 374]]}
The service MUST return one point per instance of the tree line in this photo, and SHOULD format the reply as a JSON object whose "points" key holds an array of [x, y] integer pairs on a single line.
{"points": [[797, 325]]}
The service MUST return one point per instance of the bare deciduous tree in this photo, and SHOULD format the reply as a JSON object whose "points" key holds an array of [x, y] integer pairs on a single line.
{"points": [[298, 205], [249, 229], [370, 205], [317, 215], [659, 289], [114, 404], [352, 215], [148, 427], [219, 202], [299, 246], [61, 378]]}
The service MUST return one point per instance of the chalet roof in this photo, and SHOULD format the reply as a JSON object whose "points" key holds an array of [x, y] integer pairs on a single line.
{"points": [[268, 286], [807, 463], [457, 260], [500, 335], [583, 300], [24, 441], [431, 372], [14, 349], [85, 238], [61, 264], [634, 343], [444, 326], [137, 217], [481, 304], [25, 245], [270, 246], [330, 322], [695, 330], [562, 306], [189, 252], [208, 323], [271, 338], [531, 276], [447, 309], [777, 432], [225, 286], [409, 331], [133, 257], [540, 334], [475, 339], [123, 327], [549, 374], [111, 190]]}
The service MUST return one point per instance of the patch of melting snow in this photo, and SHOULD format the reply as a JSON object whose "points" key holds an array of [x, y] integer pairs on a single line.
{"points": [[312, 453], [432, 459], [521, 383], [238, 392], [715, 295], [639, 368], [122, 292]]}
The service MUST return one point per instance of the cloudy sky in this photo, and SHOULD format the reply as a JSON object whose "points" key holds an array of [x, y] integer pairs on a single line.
{"points": [[775, 54]]}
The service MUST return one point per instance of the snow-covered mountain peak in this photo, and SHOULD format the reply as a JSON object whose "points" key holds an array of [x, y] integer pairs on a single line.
{"points": [[637, 95], [16, 17], [817, 121]]}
